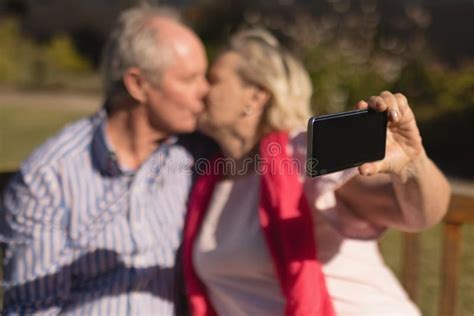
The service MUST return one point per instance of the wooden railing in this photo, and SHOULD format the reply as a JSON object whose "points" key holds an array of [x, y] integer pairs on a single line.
{"points": [[461, 212]]}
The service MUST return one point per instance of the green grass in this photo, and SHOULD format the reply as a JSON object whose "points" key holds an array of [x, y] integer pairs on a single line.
{"points": [[23, 127]]}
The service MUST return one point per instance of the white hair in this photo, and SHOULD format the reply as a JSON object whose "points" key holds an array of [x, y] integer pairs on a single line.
{"points": [[267, 64], [134, 42]]}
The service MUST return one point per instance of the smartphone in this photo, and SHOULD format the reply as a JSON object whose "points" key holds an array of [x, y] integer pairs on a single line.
{"points": [[345, 140]]}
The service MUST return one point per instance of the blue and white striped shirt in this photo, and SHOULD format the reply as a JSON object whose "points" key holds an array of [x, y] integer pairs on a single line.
{"points": [[85, 236]]}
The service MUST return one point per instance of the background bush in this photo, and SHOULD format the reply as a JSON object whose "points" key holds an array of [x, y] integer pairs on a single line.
{"points": [[27, 63]]}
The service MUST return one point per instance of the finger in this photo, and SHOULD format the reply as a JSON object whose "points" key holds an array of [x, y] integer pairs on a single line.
{"points": [[402, 103], [361, 105], [392, 106], [367, 169], [377, 103], [370, 168]]}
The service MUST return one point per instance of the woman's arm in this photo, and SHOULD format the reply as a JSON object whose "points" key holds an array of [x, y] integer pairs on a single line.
{"points": [[410, 202], [405, 190]]}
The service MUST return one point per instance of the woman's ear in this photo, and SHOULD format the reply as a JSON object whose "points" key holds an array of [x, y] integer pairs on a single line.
{"points": [[134, 83], [259, 98]]}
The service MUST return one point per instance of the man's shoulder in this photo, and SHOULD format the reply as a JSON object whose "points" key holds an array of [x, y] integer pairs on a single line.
{"points": [[69, 142]]}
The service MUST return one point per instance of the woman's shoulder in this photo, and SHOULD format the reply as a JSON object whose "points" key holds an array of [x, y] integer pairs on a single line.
{"points": [[297, 144], [298, 138]]}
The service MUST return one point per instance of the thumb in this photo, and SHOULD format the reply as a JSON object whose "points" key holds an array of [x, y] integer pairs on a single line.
{"points": [[371, 168]]}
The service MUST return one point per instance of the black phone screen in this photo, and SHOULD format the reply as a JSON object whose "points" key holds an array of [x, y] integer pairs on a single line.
{"points": [[344, 140]]}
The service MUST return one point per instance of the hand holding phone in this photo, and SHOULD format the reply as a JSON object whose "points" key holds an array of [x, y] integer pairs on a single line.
{"points": [[404, 150], [345, 140]]}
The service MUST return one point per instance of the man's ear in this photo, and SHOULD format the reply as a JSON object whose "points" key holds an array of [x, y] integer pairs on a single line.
{"points": [[134, 83]]}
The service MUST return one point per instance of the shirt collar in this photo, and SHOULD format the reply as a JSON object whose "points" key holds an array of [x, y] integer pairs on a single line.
{"points": [[104, 154], [102, 151]]}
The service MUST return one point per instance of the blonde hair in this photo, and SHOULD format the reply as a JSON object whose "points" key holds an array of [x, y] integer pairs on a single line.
{"points": [[264, 62]]}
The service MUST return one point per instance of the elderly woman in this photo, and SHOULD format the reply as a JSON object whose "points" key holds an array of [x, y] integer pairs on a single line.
{"points": [[260, 238]]}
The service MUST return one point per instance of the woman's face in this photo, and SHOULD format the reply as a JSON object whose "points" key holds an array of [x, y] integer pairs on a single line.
{"points": [[227, 98]]}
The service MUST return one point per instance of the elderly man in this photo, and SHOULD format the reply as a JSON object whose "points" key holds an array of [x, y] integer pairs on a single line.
{"points": [[93, 218]]}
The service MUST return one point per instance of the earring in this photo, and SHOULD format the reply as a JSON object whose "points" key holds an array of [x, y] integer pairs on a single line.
{"points": [[248, 111]]}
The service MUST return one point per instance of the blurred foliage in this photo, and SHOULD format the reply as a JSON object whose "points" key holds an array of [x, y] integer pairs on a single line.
{"points": [[26, 63], [352, 49], [15, 53], [355, 49], [435, 90], [61, 51]]}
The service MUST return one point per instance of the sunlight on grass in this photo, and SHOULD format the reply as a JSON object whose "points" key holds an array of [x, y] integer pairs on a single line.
{"points": [[22, 128]]}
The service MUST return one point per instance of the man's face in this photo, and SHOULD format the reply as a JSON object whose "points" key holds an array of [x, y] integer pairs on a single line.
{"points": [[174, 105]]}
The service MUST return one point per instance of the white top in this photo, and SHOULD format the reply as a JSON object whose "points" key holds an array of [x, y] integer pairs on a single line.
{"points": [[232, 259]]}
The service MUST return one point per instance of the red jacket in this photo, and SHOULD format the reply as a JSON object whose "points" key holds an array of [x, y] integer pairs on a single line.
{"points": [[287, 223]]}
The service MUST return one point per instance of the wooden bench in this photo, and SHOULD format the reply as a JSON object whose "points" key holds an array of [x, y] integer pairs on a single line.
{"points": [[4, 176], [461, 212]]}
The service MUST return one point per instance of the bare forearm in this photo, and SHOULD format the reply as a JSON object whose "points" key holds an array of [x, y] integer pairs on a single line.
{"points": [[413, 200], [422, 193]]}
